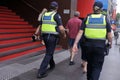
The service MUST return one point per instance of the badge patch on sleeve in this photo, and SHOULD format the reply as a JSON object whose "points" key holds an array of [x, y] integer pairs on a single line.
{"points": [[95, 21]]}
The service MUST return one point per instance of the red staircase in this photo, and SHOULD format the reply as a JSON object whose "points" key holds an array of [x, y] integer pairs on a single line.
{"points": [[15, 36]]}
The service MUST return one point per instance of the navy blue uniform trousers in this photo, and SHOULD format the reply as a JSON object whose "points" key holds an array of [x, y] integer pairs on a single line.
{"points": [[95, 58], [83, 54], [50, 43]]}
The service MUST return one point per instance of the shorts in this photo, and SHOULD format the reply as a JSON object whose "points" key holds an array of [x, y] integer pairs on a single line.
{"points": [[71, 42]]}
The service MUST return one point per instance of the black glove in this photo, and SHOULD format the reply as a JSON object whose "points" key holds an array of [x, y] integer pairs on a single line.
{"points": [[33, 37]]}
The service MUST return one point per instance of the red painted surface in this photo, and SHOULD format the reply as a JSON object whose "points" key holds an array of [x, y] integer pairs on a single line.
{"points": [[15, 22], [15, 34], [16, 30], [25, 52], [85, 7], [19, 46], [21, 53], [10, 19], [4, 26], [13, 41], [4, 36]]}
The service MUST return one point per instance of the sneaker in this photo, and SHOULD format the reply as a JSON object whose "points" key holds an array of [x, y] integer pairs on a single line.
{"points": [[71, 63], [42, 75]]}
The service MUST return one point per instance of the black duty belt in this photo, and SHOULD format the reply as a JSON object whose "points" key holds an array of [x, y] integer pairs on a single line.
{"points": [[50, 35]]}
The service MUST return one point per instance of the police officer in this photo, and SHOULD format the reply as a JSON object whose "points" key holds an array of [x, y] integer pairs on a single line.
{"points": [[96, 30], [51, 26]]}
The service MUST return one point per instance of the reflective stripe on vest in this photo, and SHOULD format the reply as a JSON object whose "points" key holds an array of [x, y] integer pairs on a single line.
{"points": [[48, 23], [96, 27]]}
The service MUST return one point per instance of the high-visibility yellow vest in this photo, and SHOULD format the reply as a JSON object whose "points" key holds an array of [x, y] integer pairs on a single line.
{"points": [[48, 23], [96, 27]]}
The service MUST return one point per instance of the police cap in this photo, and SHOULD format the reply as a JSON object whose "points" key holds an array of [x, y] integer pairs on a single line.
{"points": [[54, 4], [98, 4]]}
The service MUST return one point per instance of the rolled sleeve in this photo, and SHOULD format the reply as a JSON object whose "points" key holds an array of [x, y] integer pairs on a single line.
{"points": [[58, 19], [108, 26], [83, 24]]}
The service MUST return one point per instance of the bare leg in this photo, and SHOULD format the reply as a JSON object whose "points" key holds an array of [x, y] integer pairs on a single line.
{"points": [[71, 57], [84, 66]]}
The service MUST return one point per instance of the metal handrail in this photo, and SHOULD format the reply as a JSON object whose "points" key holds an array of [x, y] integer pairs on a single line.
{"points": [[28, 4]]}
